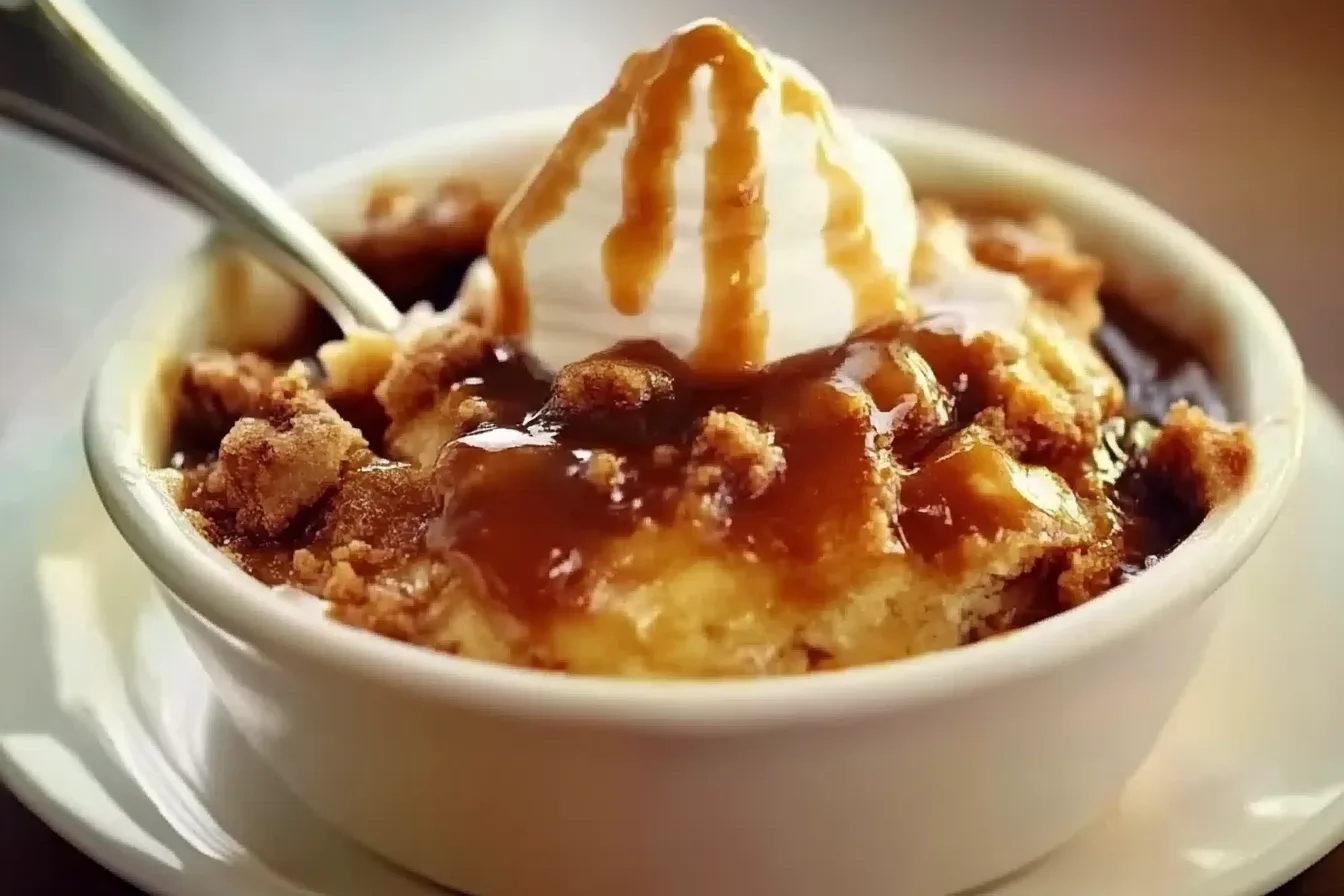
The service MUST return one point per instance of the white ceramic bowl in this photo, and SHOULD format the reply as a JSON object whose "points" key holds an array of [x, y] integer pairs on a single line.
{"points": [[921, 777]]}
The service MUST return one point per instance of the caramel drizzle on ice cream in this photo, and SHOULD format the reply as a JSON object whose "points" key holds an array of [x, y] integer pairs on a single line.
{"points": [[732, 327], [847, 238], [544, 199], [653, 93], [637, 248]]}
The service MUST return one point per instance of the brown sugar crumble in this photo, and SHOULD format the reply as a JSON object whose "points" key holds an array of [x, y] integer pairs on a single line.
{"points": [[922, 485]]}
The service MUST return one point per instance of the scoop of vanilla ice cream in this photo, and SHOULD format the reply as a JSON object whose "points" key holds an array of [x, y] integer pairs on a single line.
{"points": [[831, 250]]}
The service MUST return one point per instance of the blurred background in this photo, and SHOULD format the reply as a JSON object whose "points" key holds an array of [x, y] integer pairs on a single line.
{"points": [[1228, 112]]}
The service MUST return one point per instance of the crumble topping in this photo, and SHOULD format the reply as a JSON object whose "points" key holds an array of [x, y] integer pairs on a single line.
{"points": [[1207, 464], [276, 464]]}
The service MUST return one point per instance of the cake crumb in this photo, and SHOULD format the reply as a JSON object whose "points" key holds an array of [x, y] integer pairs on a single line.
{"points": [[607, 385], [435, 359], [741, 448], [357, 363], [274, 467], [1207, 462], [604, 472], [218, 388]]}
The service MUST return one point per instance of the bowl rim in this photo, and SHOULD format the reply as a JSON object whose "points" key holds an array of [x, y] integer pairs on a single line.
{"points": [[209, 585]]}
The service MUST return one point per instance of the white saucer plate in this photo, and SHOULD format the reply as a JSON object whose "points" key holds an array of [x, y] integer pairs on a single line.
{"points": [[110, 732]]}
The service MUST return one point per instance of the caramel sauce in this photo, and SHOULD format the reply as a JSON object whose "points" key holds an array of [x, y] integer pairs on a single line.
{"points": [[654, 94], [550, 557], [1157, 368], [833, 482], [637, 248], [968, 488], [843, 457], [544, 199], [732, 328], [529, 561], [846, 236]]}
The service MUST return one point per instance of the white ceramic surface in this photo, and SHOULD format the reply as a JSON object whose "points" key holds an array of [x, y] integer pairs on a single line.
{"points": [[920, 778], [109, 728]]}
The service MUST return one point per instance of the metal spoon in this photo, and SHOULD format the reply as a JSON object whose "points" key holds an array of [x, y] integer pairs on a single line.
{"points": [[65, 75]]}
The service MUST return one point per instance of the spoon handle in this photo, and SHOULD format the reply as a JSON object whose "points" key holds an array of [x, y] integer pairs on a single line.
{"points": [[53, 51]]}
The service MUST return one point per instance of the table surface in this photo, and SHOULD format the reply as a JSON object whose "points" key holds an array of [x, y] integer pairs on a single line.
{"points": [[1227, 112]]}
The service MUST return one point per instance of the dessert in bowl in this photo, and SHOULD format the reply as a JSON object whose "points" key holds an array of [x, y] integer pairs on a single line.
{"points": [[718, 398]]}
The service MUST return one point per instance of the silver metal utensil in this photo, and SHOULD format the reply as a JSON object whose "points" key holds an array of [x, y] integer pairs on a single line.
{"points": [[62, 73]]}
